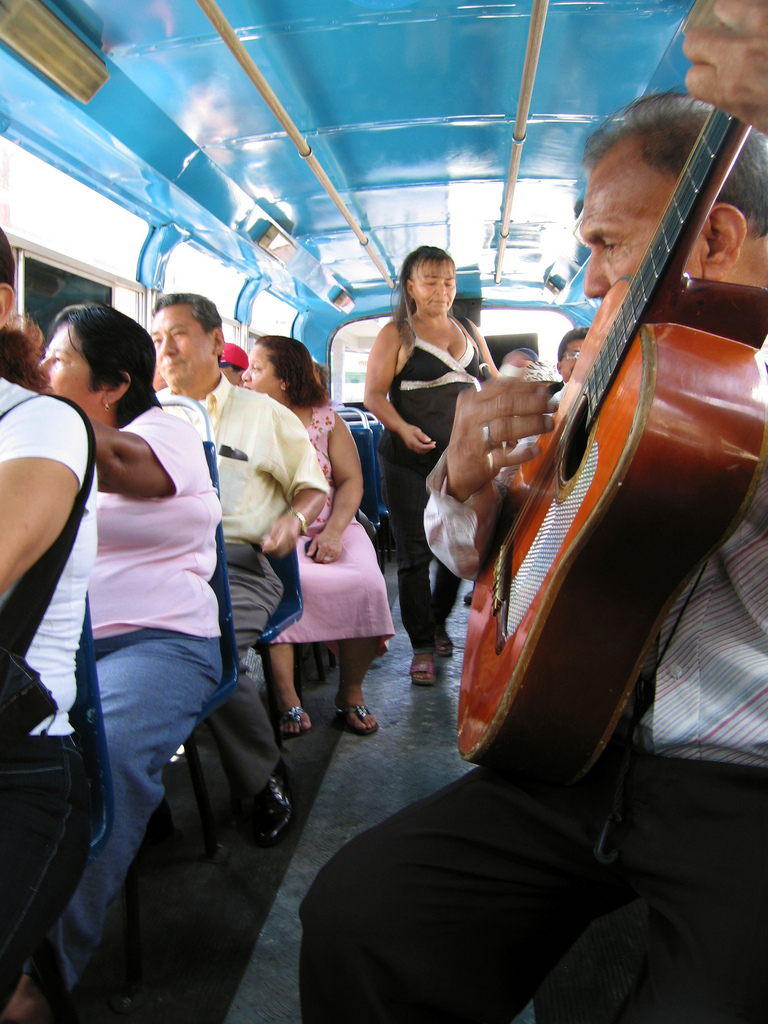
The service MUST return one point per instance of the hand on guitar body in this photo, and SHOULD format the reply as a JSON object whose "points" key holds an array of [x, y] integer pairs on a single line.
{"points": [[487, 428], [730, 60]]}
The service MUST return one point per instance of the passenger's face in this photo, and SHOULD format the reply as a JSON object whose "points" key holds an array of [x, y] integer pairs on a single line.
{"points": [[261, 376], [70, 375], [233, 375], [187, 356], [623, 204], [566, 365], [432, 286]]}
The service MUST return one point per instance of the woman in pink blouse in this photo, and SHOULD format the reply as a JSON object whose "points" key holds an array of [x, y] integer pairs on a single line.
{"points": [[345, 599]]}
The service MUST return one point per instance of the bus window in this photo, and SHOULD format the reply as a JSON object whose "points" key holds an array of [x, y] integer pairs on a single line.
{"points": [[271, 315], [48, 289], [190, 269], [349, 358]]}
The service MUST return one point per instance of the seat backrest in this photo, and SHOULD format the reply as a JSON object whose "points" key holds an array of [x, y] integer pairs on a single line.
{"points": [[220, 585], [377, 428], [291, 604], [88, 722], [362, 434], [219, 581]]}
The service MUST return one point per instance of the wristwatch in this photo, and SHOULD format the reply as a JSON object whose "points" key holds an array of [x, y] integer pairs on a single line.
{"points": [[302, 521]]}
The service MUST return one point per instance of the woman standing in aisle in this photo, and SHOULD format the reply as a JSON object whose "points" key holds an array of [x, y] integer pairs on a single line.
{"points": [[419, 363]]}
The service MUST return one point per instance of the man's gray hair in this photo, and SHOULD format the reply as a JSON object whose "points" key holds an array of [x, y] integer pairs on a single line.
{"points": [[203, 310], [666, 126]]}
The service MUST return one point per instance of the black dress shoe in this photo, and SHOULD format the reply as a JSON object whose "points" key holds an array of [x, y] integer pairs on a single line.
{"points": [[272, 808]]}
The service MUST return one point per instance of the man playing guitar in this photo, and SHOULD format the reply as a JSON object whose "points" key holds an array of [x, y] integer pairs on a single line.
{"points": [[473, 895]]}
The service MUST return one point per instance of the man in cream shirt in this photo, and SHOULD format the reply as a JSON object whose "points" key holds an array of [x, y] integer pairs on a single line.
{"points": [[272, 488]]}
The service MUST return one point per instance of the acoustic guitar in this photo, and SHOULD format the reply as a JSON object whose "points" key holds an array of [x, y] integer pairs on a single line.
{"points": [[658, 445]]}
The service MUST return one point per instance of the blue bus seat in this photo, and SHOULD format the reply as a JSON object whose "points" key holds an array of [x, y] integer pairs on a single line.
{"points": [[384, 538], [366, 431], [229, 672], [291, 605], [362, 433], [88, 722], [287, 612]]}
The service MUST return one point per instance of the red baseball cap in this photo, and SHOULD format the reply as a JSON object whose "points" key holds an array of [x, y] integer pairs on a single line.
{"points": [[234, 356]]}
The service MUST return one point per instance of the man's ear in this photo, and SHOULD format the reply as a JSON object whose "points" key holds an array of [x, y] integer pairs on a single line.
{"points": [[718, 246], [7, 303], [218, 341]]}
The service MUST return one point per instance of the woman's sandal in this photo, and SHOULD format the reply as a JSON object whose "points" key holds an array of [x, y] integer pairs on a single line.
{"points": [[423, 670], [443, 643], [293, 715], [360, 711]]}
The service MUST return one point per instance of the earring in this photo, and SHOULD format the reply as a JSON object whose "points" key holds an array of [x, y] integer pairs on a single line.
{"points": [[106, 406], [283, 385]]}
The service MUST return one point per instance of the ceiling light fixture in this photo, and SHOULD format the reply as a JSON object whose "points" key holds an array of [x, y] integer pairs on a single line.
{"points": [[36, 35], [276, 244], [343, 301]]}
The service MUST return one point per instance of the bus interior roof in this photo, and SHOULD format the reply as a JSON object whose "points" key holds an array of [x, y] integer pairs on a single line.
{"points": [[219, 124]]}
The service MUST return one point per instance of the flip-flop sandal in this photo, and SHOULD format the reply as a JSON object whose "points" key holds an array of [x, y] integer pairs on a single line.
{"points": [[293, 715], [443, 644], [361, 712], [423, 670]]}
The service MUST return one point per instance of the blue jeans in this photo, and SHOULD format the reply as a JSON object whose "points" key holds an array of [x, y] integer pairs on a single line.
{"points": [[153, 684], [45, 831], [420, 608]]}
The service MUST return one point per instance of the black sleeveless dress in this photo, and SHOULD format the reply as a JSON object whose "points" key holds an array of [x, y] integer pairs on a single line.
{"points": [[425, 393]]}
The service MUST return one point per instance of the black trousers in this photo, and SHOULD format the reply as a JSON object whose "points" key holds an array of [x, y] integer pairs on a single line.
{"points": [[421, 608], [455, 909], [241, 727]]}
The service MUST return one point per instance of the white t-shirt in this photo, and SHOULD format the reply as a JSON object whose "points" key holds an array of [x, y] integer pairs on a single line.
{"points": [[156, 555], [48, 429]]}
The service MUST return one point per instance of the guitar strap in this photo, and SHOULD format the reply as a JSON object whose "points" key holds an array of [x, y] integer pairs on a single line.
{"points": [[643, 696]]}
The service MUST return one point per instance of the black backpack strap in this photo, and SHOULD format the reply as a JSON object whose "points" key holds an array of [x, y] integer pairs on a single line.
{"points": [[26, 605]]}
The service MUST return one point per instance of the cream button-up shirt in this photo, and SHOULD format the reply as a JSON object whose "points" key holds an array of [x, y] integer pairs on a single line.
{"points": [[273, 460]]}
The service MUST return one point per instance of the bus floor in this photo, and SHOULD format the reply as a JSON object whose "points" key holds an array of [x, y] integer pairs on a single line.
{"points": [[221, 937]]}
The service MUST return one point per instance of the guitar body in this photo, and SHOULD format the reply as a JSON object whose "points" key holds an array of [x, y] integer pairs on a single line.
{"points": [[610, 523]]}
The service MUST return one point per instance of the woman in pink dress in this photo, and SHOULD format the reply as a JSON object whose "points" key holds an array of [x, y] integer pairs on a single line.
{"points": [[345, 599]]}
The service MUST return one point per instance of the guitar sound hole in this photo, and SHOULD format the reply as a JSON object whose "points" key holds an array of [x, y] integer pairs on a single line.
{"points": [[575, 442]]}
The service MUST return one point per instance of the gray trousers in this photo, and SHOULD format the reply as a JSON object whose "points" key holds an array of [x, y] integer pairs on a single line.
{"points": [[241, 727]]}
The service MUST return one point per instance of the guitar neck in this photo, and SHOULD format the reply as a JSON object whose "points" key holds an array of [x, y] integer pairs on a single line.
{"points": [[700, 181]]}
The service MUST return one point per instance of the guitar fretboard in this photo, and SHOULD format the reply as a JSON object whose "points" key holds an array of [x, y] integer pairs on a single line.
{"points": [[703, 161]]}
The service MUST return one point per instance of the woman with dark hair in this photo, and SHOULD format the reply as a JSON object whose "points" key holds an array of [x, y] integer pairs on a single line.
{"points": [[154, 615], [419, 363], [44, 805], [345, 599]]}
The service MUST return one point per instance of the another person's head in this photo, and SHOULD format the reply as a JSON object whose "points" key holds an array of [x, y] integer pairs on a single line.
{"points": [[427, 284], [233, 362], [186, 331], [568, 351], [21, 341], [104, 361], [520, 358], [634, 160], [283, 369]]}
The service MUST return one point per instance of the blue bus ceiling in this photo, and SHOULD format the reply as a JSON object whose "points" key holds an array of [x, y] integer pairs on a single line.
{"points": [[408, 107]]}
